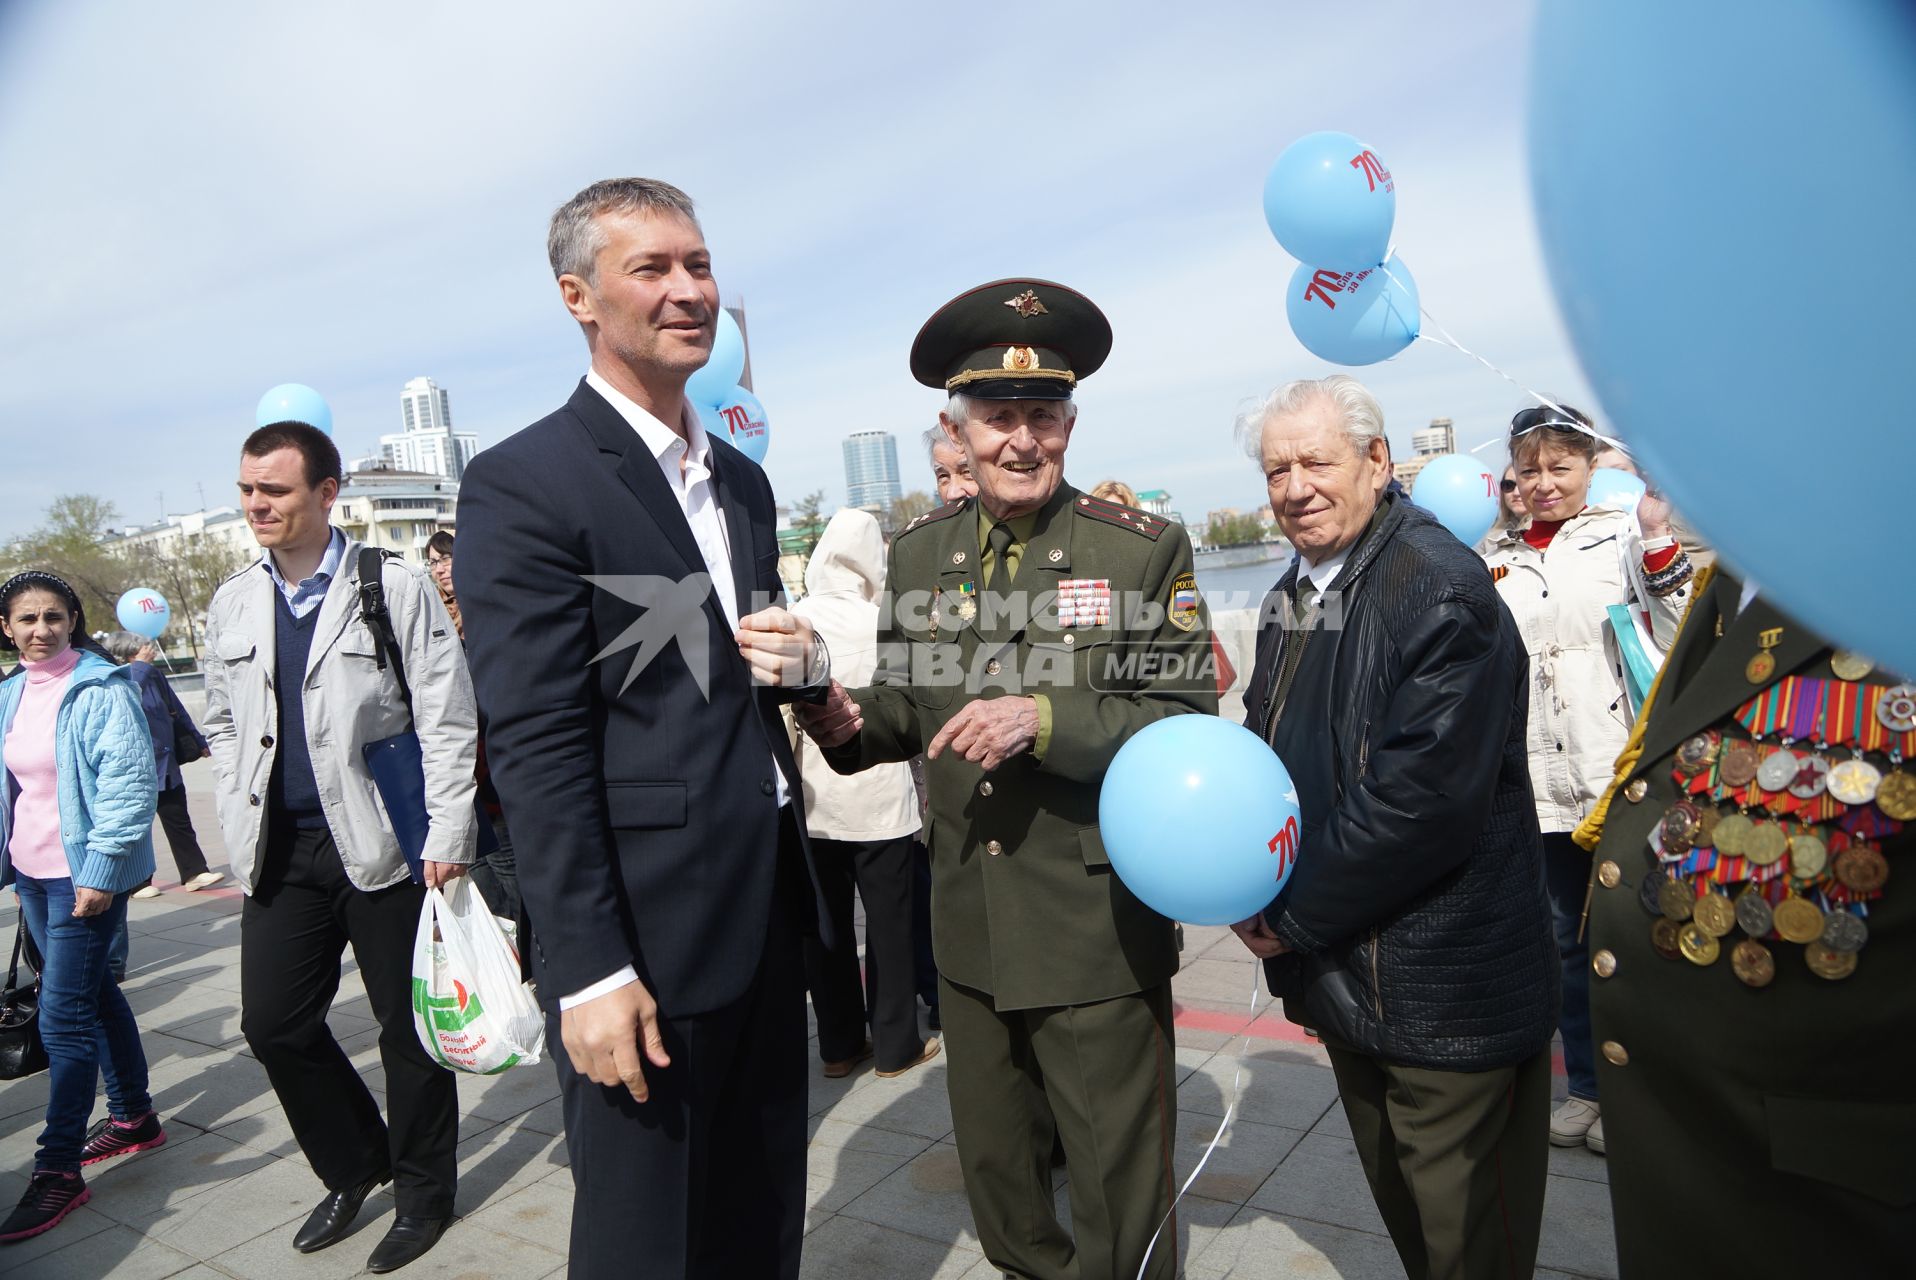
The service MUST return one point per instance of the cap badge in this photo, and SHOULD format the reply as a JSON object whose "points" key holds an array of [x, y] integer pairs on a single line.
{"points": [[1027, 305], [1020, 359]]}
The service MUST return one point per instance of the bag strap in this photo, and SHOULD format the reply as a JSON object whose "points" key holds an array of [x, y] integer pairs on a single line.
{"points": [[378, 619], [13, 969]]}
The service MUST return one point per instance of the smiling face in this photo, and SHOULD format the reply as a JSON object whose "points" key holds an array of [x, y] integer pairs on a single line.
{"points": [[1554, 481], [952, 473], [286, 514], [652, 306], [1323, 489], [1016, 450], [39, 623]]}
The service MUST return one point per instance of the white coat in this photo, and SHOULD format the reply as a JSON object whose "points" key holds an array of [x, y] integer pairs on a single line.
{"points": [[1579, 715], [348, 701], [843, 582]]}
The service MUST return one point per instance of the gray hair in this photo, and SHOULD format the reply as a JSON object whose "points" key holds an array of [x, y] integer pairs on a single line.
{"points": [[935, 436], [575, 237], [124, 646], [962, 408], [1357, 408]]}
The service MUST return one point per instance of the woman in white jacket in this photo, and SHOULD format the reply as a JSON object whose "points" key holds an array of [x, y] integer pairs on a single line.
{"points": [[861, 827], [1560, 576]]}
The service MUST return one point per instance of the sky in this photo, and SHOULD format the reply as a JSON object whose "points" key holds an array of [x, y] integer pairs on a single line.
{"points": [[203, 201]]}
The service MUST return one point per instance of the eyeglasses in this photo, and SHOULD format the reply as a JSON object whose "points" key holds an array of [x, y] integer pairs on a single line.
{"points": [[1509, 486], [433, 562]]}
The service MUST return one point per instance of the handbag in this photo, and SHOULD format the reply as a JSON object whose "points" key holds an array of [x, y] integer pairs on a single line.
{"points": [[21, 1052], [397, 767], [188, 746]]}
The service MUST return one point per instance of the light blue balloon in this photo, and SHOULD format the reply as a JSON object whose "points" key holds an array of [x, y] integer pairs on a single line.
{"points": [[1330, 201], [1461, 492], [743, 424], [144, 611], [722, 370], [1354, 317], [1200, 819], [1614, 488], [1728, 247], [294, 402]]}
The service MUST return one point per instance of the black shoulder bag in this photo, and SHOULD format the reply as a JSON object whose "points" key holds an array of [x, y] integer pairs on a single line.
{"points": [[21, 1052], [396, 764]]}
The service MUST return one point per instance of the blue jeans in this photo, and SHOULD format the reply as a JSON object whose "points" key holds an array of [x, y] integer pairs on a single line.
{"points": [[85, 1022], [1567, 873]]}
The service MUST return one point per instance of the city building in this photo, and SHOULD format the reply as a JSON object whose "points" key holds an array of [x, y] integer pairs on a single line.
{"points": [[428, 444], [1434, 441], [871, 470], [397, 510], [165, 538]]}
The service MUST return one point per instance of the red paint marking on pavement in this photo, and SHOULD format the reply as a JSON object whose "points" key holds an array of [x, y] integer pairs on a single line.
{"points": [[1270, 1028]]}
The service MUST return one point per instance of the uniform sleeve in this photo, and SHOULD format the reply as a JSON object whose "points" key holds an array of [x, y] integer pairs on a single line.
{"points": [[1088, 725]]}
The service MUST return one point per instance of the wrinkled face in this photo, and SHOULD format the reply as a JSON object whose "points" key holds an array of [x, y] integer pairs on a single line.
{"points": [[286, 514], [654, 305], [440, 567], [1322, 489], [1554, 482], [39, 623], [1016, 451], [1512, 496], [952, 473]]}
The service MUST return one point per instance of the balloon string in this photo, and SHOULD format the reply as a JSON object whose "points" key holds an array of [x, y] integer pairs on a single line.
{"points": [[1237, 1085]]}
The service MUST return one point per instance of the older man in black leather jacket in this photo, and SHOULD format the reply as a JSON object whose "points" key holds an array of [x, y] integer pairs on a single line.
{"points": [[1414, 934]]}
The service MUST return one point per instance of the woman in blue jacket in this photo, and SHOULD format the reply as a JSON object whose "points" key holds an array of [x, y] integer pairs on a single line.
{"points": [[75, 839]]}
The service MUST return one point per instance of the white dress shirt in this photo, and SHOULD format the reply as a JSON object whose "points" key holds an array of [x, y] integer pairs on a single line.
{"points": [[1323, 574], [687, 467]]}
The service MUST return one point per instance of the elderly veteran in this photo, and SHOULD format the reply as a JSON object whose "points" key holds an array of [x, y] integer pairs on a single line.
{"points": [[1034, 630], [1414, 934]]}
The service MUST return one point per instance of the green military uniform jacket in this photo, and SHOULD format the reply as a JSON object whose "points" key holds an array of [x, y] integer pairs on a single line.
{"points": [[1751, 1131], [1025, 905]]}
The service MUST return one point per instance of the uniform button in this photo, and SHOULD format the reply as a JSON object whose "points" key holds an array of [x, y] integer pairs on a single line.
{"points": [[266, 741], [984, 788], [1638, 789], [1615, 1054], [993, 848], [992, 668], [1070, 639], [253, 800], [765, 785], [1604, 963], [1609, 875]]}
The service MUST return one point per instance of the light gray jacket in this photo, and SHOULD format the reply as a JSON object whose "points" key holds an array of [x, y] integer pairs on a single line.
{"points": [[348, 701]]}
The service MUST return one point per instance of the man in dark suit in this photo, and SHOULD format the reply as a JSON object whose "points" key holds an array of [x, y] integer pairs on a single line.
{"points": [[618, 573]]}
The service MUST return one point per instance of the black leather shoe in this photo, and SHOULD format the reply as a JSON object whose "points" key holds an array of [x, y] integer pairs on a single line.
{"points": [[333, 1215], [407, 1241]]}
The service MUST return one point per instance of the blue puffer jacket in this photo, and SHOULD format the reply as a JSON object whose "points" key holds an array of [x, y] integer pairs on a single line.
{"points": [[104, 758]]}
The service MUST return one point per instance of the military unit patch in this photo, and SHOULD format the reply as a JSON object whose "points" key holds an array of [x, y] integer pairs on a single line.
{"points": [[1184, 602]]}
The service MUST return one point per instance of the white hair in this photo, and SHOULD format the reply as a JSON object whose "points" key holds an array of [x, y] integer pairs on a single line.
{"points": [[935, 436], [1357, 409], [962, 408]]}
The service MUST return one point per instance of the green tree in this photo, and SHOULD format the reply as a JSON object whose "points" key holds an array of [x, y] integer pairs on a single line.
{"points": [[807, 527], [187, 574], [72, 544], [906, 509], [1236, 531]]}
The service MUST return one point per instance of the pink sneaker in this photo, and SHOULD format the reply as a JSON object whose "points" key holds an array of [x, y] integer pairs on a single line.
{"points": [[111, 1138]]}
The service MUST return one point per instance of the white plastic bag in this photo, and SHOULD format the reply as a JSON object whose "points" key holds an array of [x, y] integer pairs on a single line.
{"points": [[470, 1008]]}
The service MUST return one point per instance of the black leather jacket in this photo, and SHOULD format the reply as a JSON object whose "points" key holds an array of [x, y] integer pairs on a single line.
{"points": [[1417, 908]]}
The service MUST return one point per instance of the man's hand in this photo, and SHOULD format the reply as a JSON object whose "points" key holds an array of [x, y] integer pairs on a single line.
{"points": [[833, 722], [1257, 935], [441, 874], [989, 732], [90, 902], [604, 1038], [777, 644]]}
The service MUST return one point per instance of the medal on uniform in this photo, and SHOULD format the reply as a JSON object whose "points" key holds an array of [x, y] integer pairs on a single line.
{"points": [[1698, 753], [1650, 891], [1765, 844], [1733, 834], [1763, 665], [1896, 795], [1809, 855], [1697, 946], [1680, 823], [1848, 665], [1778, 770], [1798, 919], [1736, 766], [1812, 777], [1707, 821], [1826, 962], [1854, 781], [1844, 931], [1676, 900], [1896, 708], [1663, 937], [1753, 913], [1861, 868], [1752, 963], [967, 601], [1714, 914]]}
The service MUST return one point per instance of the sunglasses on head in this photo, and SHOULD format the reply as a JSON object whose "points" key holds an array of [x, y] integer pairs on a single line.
{"points": [[1528, 420]]}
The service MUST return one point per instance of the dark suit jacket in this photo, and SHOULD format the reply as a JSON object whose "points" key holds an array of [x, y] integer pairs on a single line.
{"points": [[643, 809]]}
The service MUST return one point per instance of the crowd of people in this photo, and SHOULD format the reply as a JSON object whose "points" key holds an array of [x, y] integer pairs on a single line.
{"points": [[714, 776]]}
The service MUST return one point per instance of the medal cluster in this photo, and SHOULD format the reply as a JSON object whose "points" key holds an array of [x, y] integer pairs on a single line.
{"points": [[1779, 834]]}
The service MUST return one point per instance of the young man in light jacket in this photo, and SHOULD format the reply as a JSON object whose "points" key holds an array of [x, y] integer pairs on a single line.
{"points": [[862, 827], [295, 688]]}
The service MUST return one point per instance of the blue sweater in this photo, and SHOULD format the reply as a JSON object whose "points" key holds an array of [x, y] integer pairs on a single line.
{"points": [[103, 757]]}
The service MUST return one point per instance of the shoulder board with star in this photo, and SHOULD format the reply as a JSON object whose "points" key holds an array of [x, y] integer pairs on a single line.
{"points": [[1138, 522], [945, 512]]}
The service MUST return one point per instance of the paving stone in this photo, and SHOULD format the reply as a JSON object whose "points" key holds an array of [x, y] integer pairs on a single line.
{"points": [[24, 1258], [272, 1199], [1577, 1231], [1577, 1162], [540, 1214], [1321, 1180], [1243, 1160], [849, 1247], [1259, 1246], [501, 1159], [924, 1198], [914, 1103], [118, 1251], [1279, 1088], [466, 1251]]}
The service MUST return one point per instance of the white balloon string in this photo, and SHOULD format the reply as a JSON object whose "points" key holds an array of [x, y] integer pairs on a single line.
{"points": [[1237, 1087]]}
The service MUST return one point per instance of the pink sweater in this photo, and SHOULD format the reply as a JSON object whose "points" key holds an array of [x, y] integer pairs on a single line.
{"points": [[34, 835]]}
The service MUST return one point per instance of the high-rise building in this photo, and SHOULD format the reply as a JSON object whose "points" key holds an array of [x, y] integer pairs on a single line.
{"points": [[871, 469], [1439, 438], [428, 444]]}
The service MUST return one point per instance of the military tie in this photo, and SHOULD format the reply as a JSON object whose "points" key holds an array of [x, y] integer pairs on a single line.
{"points": [[997, 593]]}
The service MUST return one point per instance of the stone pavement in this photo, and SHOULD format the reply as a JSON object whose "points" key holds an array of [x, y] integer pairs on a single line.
{"points": [[1283, 1196]]}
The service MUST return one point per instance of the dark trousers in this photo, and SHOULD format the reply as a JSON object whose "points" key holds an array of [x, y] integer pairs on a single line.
{"points": [[1101, 1078], [85, 1023], [180, 836], [293, 929], [1456, 1160], [882, 872], [924, 965], [705, 1180], [495, 873], [1567, 874]]}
